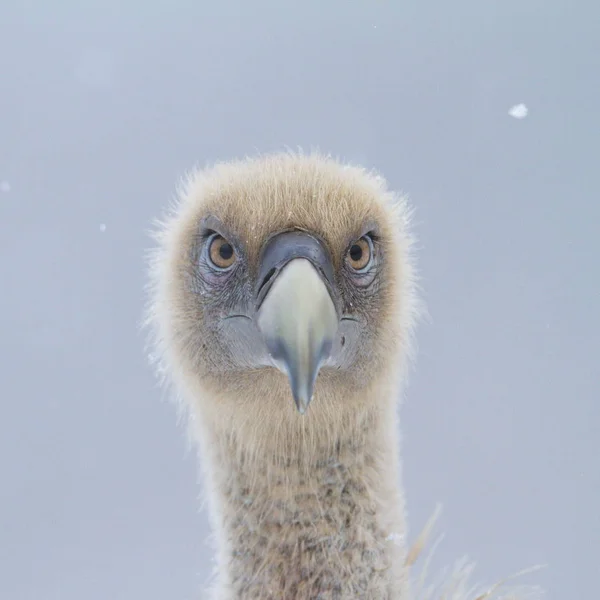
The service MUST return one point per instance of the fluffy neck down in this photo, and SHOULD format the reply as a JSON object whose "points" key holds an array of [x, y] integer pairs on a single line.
{"points": [[308, 512]]}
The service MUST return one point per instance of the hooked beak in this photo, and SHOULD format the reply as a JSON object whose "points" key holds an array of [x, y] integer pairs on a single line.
{"points": [[298, 321]]}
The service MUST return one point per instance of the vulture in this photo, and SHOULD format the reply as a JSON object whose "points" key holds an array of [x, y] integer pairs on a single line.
{"points": [[282, 306]]}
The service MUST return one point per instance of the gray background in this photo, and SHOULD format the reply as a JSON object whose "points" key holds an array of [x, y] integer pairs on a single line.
{"points": [[104, 105]]}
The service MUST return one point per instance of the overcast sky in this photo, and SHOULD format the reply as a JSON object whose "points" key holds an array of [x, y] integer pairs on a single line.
{"points": [[104, 105]]}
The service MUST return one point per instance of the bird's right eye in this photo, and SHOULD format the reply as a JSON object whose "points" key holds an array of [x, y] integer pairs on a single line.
{"points": [[221, 253]]}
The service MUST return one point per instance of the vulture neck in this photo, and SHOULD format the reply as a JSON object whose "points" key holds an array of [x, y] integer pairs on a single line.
{"points": [[311, 506]]}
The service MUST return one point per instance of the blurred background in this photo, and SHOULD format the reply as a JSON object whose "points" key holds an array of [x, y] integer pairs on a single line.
{"points": [[104, 105]]}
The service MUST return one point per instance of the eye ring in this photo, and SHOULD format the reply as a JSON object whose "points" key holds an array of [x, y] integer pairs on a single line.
{"points": [[220, 253], [360, 255]]}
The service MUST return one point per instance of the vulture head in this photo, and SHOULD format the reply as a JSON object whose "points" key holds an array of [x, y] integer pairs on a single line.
{"points": [[283, 286]]}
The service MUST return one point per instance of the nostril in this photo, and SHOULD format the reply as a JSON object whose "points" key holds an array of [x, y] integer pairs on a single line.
{"points": [[266, 280], [268, 276], [343, 340]]}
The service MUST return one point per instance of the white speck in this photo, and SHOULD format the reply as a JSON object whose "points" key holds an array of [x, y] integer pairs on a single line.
{"points": [[4, 187], [374, 26], [518, 111], [102, 227]]}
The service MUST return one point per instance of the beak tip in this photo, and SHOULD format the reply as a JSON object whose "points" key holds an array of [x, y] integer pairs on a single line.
{"points": [[302, 406], [302, 399], [301, 409]]}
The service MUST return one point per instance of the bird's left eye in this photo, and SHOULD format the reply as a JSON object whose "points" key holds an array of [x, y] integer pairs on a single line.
{"points": [[221, 252], [360, 254]]}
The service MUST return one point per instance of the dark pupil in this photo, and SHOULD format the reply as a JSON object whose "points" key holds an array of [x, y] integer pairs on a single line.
{"points": [[225, 251], [356, 253]]}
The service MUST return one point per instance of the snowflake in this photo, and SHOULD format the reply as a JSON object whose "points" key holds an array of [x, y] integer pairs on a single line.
{"points": [[518, 111]]}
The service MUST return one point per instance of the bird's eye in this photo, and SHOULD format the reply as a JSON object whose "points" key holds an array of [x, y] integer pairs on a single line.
{"points": [[360, 254], [221, 252]]}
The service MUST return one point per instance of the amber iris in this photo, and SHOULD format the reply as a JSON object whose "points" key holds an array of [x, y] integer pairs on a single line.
{"points": [[359, 254], [221, 252]]}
